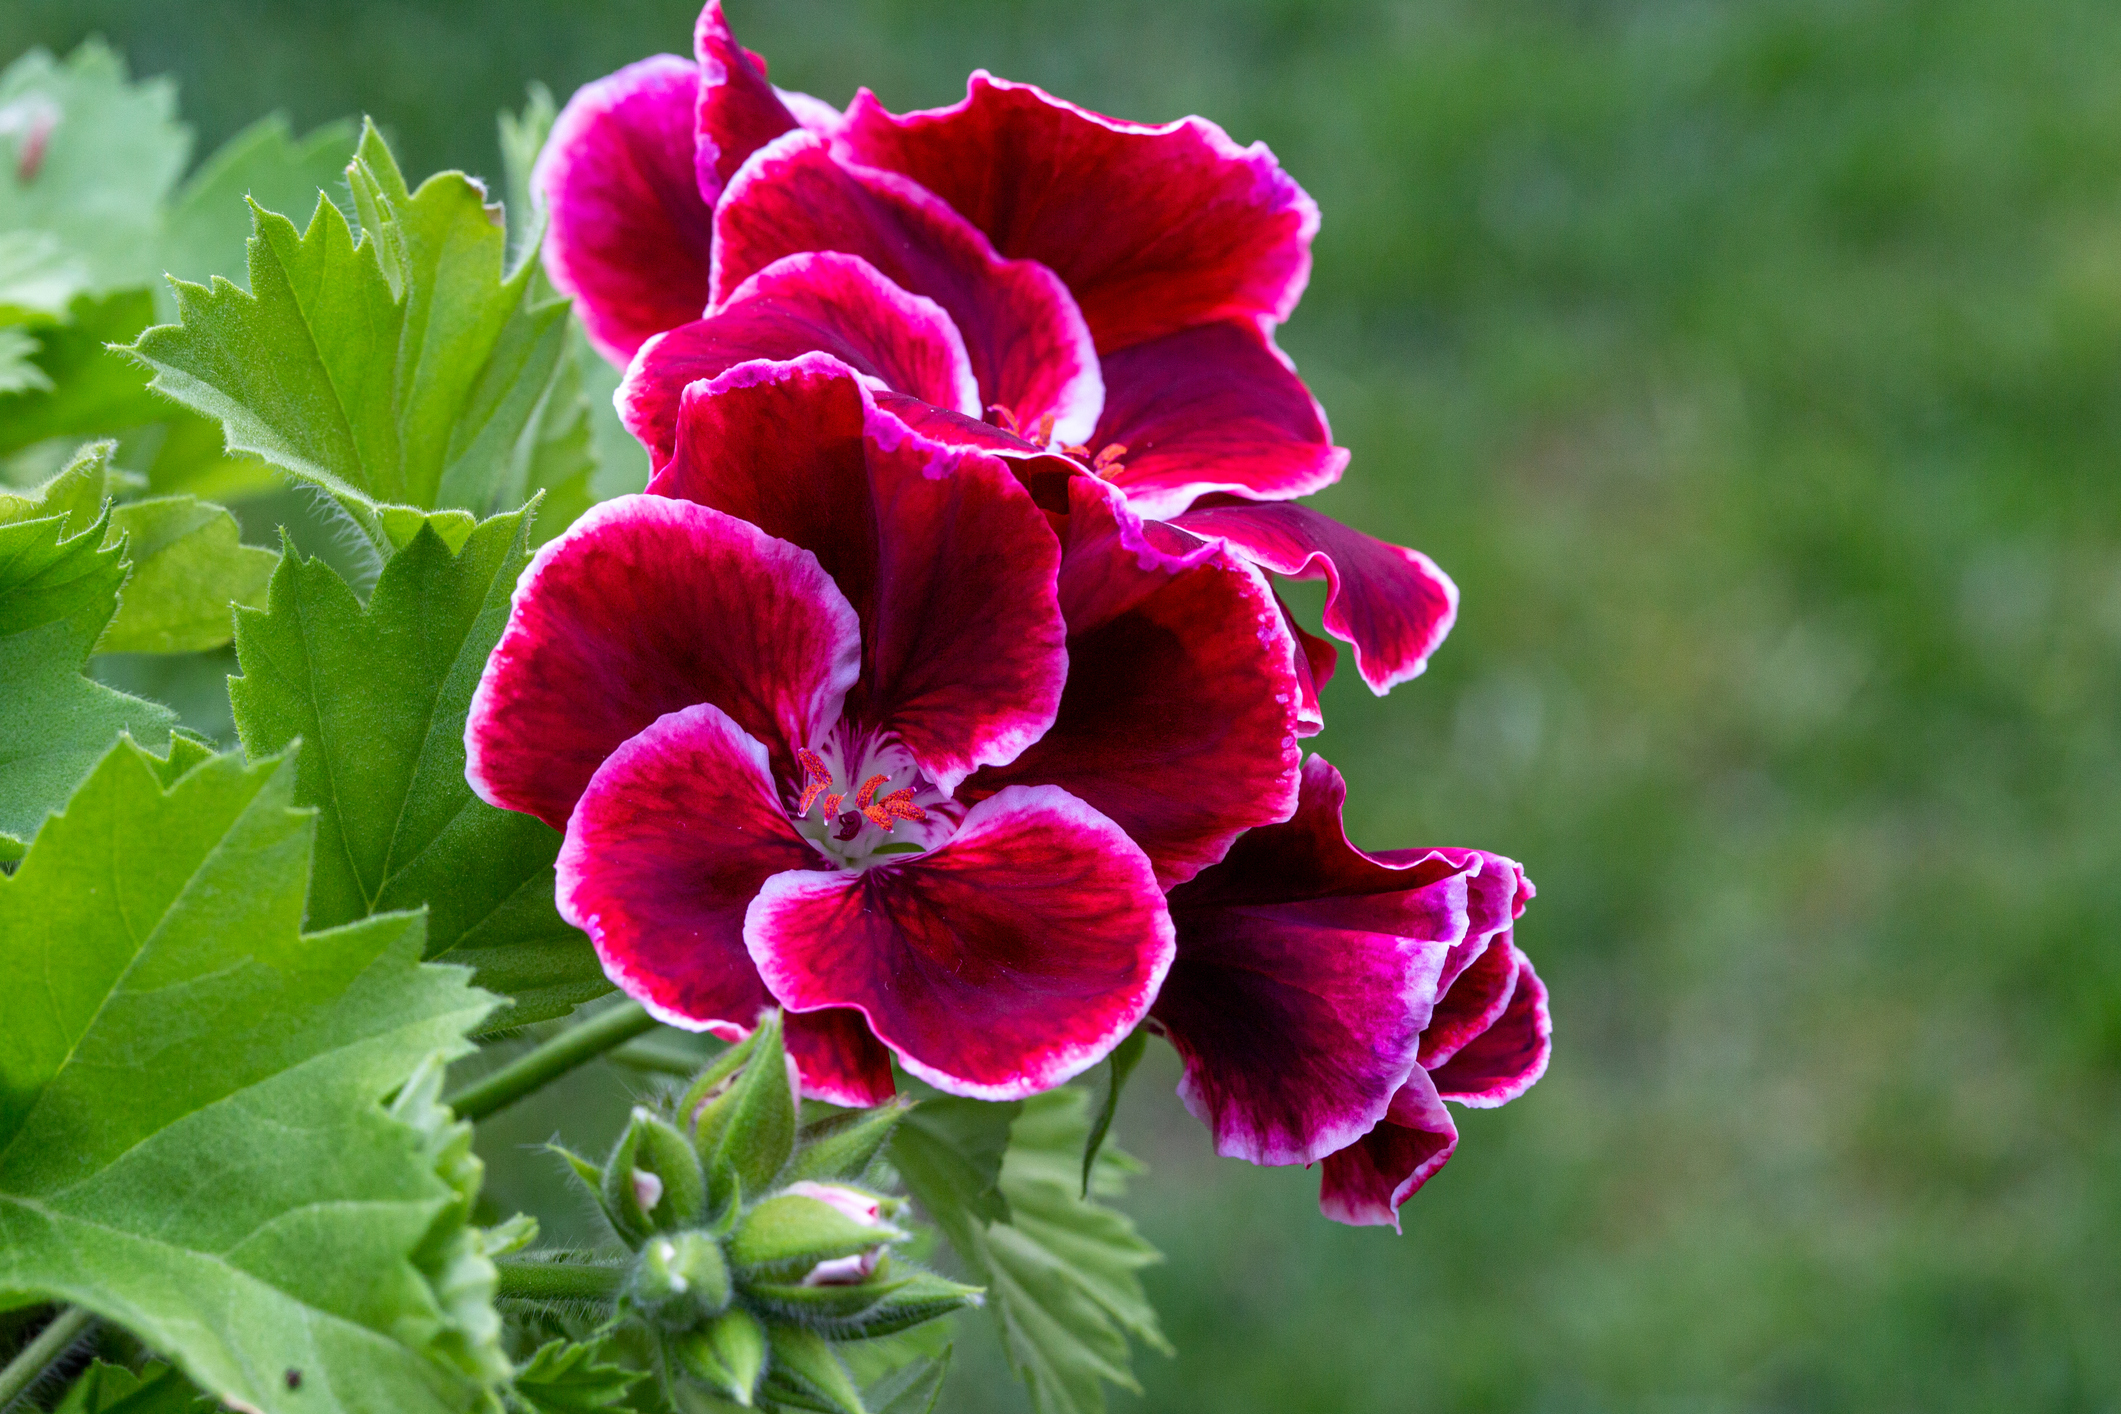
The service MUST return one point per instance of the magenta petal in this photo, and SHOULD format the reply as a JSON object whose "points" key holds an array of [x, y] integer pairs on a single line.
{"points": [[629, 236], [1509, 1057], [665, 850], [1471, 1003], [942, 553], [645, 606], [1015, 956], [1304, 977], [1314, 669], [737, 112], [1155, 229], [842, 1064], [1179, 720], [816, 301], [1029, 347], [1208, 409], [1393, 604], [1364, 1184]]}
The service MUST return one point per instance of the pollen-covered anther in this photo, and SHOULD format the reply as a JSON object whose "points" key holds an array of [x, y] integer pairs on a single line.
{"points": [[1004, 419], [817, 780], [1106, 463]]}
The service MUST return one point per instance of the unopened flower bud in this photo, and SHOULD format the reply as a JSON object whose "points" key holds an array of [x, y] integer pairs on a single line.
{"points": [[682, 1274]]}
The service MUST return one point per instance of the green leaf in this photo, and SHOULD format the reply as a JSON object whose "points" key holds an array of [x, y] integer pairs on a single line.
{"points": [[522, 137], [406, 367], [111, 152], [1111, 1080], [208, 225], [18, 374], [913, 1389], [188, 562], [949, 1151], [189, 566], [57, 593], [87, 390], [1061, 1273], [378, 693], [566, 1378], [191, 1140], [39, 277]]}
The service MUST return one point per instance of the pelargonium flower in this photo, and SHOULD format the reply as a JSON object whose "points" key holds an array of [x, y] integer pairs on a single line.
{"points": [[1013, 272], [832, 722], [1326, 1002]]}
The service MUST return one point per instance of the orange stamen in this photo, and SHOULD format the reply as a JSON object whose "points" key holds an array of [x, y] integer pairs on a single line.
{"points": [[1005, 419], [817, 780], [1044, 433]]}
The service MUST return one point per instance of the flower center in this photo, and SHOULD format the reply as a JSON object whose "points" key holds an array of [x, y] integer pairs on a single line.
{"points": [[1104, 463], [864, 800]]}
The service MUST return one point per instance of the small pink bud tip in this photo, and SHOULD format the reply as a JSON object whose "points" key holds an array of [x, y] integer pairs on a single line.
{"points": [[848, 1202], [845, 1271], [647, 1189]]}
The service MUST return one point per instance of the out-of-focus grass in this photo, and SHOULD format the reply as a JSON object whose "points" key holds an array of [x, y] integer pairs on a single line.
{"points": [[1756, 369]]}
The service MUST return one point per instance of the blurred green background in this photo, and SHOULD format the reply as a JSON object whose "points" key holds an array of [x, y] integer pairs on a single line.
{"points": [[1756, 370]]}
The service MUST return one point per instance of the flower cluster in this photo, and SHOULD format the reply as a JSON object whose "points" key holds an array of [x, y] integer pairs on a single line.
{"points": [[936, 690]]}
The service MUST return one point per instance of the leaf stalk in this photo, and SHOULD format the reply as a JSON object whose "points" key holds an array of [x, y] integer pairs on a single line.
{"points": [[559, 1281]]}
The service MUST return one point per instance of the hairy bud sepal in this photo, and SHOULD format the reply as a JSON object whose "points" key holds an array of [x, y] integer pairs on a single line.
{"points": [[728, 1355], [788, 1235], [804, 1372], [744, 1121], [680, 1278], [844, 1146]]}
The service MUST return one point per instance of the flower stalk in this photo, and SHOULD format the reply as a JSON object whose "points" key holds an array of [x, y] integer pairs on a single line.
{"points": [[68, 1326], [574, 1047]]}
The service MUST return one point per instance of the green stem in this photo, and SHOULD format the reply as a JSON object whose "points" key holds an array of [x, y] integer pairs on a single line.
{"points": [[68, 1326], [559, 1281], [573, 1047]]}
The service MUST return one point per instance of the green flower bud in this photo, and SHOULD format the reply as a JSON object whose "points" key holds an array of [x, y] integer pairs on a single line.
{"points": [[625, 1196], [806, 1373], [750, 1126], [791, 1233], [681, 1277], [845, 1145], [728, 1354], [910, 1301], [667, 1179]]}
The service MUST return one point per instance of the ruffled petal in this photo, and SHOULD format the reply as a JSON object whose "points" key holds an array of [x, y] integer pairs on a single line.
{"points": [[949, 564], [1305, 975], [665, 850], [1180, 717], [817, 301], [1030, 349], [1155, 229], [641, 607], [1393, 604], [737, 111], [1015, 956], [629, 237], [1212, 408], [1365, 1184], [1471, 1004], [1509, 1057], [1317, 661]]}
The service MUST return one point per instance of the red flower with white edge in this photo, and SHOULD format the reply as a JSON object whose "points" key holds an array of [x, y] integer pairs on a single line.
{"points": [[1012, 272], [834, 720], [1326, 1002]]}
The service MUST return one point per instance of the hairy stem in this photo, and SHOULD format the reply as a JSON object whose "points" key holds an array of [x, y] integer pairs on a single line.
{"points": [[68, 1326], [559, 1281], [573, 1047]]}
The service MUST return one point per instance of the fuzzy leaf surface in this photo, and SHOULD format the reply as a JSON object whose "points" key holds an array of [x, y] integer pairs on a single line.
{"points": [[208, 225], [377, 693], [407, 366], [566, 1378], [192, 1143]]}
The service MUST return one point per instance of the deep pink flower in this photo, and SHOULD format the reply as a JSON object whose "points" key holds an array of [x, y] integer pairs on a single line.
{"points": [[1326, 1002], [758, 703], [1101, 290]]}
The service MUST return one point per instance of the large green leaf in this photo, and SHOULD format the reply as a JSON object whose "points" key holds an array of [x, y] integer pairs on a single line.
{"points": [[1061, 1272], [192, 1139], [86, 390], [90, 160], [949, 1151], [378, 694], [57, 594], [406, 367]]}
